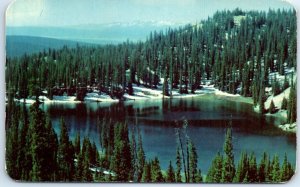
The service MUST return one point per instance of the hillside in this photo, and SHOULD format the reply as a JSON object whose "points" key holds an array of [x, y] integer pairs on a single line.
{"points": [[111, 33], [16, 46], [245, 53]]}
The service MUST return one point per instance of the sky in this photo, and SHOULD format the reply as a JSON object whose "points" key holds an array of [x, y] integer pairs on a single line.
{"points": [[78, 12]]}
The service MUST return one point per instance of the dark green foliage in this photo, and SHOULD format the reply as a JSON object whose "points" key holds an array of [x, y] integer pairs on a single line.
{"points": [[65, 154], [12, 145], [286, 171], [193, 162], [147, 177], [178, 166], [140, 157], [286, 84], [229, 56], [130, 88], [242, 169], [52, 159], [263, 169], [170, 174], [77, 146], [199, 178], [276, 88], [275, 169], [214, 174], [272, 108], [121, 164], [292, 105], [228, 170], [252, 170], [284, 104], [156, 174]]}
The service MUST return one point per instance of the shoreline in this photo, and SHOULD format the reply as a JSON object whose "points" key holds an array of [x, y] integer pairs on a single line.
{"points": [[142, 93]]}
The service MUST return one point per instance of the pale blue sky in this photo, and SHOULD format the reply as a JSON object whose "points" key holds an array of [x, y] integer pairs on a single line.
{"points": [[77, 12]]}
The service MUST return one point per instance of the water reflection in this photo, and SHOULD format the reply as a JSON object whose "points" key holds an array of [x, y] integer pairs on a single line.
{"points": [[208, 118]]}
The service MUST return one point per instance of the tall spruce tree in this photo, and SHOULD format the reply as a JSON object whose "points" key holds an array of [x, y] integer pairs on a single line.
{"points": [[228, 170], [178, 166], [170, 174], [65, 154]]}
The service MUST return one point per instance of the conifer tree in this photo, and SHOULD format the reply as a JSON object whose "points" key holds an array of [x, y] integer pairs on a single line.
{"points": [[272, 109], [170, 174], [228, 170], [276, 169], [284, 104], [77, 146], [263, 168], [65, 154], [140, 157], [156, 174], [252, 170], [147, 177], [214, 174], [286, 171], [292, 105], [193, 160], [121, 164], [241, 169], [199, 178], [178, 166]]}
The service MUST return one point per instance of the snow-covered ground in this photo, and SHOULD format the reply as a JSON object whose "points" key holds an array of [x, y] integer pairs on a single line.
{"points": [[96, 96], [143, 93], [289, 127], [139, 93], [44, 99], [280, 113], [277, 99]]}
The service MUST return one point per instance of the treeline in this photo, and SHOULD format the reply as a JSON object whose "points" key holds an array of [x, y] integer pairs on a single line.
{"points": [[268, 170], [236, 50], [34, 152]]}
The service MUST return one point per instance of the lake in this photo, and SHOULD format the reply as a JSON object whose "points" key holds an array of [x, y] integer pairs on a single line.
{"points": [[208, 118]]}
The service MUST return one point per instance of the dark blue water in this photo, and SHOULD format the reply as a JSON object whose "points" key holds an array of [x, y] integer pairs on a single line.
{"points": [[208, 118]]}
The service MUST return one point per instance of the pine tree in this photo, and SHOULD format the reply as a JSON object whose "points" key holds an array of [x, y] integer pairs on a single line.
{"points": [[65, 154], [130, 88], [86, 174], [140, 157], [228, 170], [284, 104], [252, 170], [292, 105], [214, 174], [286, 171], [199, 177], [52, 149], [156, 174], [12, 147], [262, 169], [38, 139], [276, 88], [178, 166], [170, 174], [272, 108], [121, 164], [276, 169], [242, 168], [193, 160], [77, 145], [147, 177]]}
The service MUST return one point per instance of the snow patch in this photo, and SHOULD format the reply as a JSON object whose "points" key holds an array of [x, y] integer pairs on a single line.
{"points": [[277, 99]]}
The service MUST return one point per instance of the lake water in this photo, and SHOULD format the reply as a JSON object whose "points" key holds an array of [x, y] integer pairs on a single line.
{"points": [[208, 119]]}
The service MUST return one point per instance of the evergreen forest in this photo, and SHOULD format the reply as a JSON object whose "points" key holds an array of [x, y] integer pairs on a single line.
{"points": [[236, 51]]}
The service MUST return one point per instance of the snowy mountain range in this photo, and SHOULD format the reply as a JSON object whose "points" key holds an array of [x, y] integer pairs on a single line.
{"points": [[96, 33]]}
